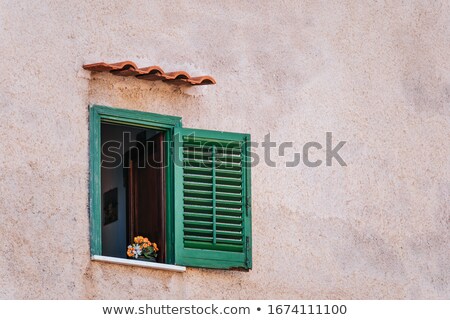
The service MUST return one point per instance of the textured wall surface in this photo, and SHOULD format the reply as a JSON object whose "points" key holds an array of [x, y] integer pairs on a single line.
{"points": [[376, 75]]}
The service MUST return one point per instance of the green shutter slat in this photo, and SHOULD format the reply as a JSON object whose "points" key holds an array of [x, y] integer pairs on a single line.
{"points": [[208, 217], [228, 211], [228, 234], [222, 247], [229, 219], [189, 193], [204, 238], [206, 163], [228, 196], [208, 186], [228, 159], [207, 224], [197, 193], [222, 211], [229, 173], [208, 238], [197, 216], [228, 226], [208, 171], [199, 231], [196, 154], [195, 223], [197, 186], [231, 189], [198, 202], [229, 204], [197, 178], [212, 202], [229, 181], [197, 163], [192, 208], [192, 141], [192, 151], [229, 156], [195, 219], [206, 157], [196, 170]]}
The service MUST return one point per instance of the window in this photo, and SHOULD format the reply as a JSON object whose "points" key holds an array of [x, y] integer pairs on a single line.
{"points": [[186, 189]]}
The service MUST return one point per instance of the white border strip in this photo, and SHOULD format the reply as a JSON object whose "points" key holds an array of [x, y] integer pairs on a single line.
{"points": [[205, 309], [138, 263]]}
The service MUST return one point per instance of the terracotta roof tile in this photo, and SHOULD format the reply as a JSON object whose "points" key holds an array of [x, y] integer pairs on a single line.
{"points": [[153, 73]]}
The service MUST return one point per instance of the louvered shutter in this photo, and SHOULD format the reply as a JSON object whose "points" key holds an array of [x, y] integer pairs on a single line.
{"points": [[212, 199]]}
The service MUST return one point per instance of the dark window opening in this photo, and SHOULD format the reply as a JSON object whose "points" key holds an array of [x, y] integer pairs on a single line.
{"points": [[133, 188]]}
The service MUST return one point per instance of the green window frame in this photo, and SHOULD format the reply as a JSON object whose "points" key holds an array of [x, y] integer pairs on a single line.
{"points": [[208, 194]]}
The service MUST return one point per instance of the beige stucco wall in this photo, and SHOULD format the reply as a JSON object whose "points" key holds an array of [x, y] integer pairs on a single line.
{"points": [[377, 75]]}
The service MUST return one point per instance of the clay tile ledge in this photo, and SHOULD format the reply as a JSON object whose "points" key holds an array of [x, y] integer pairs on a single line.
{"points": [[153, 73]]}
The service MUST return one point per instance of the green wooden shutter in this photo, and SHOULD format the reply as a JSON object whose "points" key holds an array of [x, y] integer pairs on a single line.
{"points": [[212, 199]]}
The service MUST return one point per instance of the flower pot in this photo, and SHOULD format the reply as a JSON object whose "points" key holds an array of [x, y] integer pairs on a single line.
{"points": [[151, 259]]}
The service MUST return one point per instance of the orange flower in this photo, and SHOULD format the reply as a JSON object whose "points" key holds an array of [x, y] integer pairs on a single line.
{"points": [[138, 239], [155, 247]]}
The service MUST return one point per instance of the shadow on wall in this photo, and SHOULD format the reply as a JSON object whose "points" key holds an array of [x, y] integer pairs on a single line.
{"points": [[424, 88], [426, 78], [128, 92]]}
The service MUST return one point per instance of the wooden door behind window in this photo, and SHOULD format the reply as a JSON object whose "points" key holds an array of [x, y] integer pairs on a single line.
{"points": [[146, 193]]}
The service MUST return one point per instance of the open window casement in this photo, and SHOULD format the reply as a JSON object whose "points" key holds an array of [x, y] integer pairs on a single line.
{"points": [[212, 199]]}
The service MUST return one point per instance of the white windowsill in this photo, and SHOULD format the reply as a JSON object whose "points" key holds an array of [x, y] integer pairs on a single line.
{"points": [[139, 263]]}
